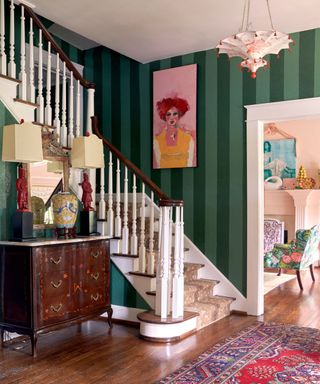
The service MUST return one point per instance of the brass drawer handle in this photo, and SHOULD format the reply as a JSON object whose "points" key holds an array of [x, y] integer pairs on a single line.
{"points": [[56, 285], [95, 298], [95, 255], [52, 260], [95, 276], [57, 308]]}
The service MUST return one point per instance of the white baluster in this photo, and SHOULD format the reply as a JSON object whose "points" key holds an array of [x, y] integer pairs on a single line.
{"points": [[23, 74], [40, 101], [117, 222], [150, 263], [56, 121], [162, 287], [125, 229], [142, 247], [48, 110], [31, 89], [134, 238], [71, 127], [63, 138], [102, 202], [110, 214], [178, 278], [12, 64], [78, 110], [3, 56], [90, 109]]}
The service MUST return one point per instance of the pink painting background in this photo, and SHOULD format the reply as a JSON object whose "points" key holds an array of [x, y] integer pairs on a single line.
{"points": [[177, 82]]}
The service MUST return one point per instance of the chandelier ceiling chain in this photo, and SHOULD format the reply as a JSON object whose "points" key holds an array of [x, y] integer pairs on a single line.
{"points": [[252, 46]]}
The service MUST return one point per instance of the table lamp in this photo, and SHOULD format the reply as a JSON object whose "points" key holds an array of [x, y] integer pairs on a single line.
{"points": [[22, 143], [86, 153]]}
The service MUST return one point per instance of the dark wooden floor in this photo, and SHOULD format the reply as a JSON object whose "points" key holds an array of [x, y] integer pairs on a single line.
{"points": [[96, 355]]}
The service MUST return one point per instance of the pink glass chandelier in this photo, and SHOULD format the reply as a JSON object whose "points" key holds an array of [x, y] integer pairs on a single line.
{"points": [[252, 46]]}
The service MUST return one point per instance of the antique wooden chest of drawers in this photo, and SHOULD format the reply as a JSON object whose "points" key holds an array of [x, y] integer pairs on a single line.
{"points": [[51, 284]]}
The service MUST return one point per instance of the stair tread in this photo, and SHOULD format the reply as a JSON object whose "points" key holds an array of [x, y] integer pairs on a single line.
{"points": [[44, 125], [125, 255], [143, 274], [202, 283], [10, 78], [193, 265], [25, 102]]}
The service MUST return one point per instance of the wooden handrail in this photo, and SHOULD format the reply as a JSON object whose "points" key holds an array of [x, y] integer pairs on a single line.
{"points": [[137, 171], [85, 83]]}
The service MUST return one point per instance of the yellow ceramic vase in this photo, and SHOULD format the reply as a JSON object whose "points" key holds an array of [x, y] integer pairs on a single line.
{"points": [[65, 209]]}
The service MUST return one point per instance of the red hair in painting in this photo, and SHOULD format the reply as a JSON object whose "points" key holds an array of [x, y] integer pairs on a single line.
{"points": [[164, 105]]}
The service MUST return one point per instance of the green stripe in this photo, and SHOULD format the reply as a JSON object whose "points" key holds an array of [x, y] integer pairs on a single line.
{"points": [[116, 100], [263, 85], [237, 196], [223, 163], [307, 57], [155, 173], [106, 97], [125, 106], [135, 113], [199, 172], [277, 77], [317, 64], [211, 151], [145, 119], [291, 69], [188, 178]]}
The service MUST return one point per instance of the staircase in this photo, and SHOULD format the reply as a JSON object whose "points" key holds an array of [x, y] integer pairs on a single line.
{"points": [[184, 289]]}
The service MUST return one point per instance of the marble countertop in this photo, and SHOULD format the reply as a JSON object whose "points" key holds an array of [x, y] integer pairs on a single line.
{"points": [[40, 242]]}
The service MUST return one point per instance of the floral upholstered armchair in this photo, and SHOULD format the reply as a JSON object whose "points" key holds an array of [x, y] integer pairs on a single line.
{"points": [[273, 233], [299, 254]]}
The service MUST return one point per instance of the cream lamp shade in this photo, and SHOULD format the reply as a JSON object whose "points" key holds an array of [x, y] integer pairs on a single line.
{"points": [[87, 152], [22, 143]]}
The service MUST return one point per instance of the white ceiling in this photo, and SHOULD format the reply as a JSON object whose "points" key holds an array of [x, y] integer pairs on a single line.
{"points": [[147, 30]]}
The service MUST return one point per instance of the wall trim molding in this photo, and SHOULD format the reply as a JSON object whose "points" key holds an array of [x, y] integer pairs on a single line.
{"points": [[257, 116]]}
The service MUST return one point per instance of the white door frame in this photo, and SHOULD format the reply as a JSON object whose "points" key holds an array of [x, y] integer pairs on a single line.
{"points": [[257, 115]]}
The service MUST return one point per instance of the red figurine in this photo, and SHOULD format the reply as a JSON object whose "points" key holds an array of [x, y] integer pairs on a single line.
{"points": [[86, 193], [22, 190]]}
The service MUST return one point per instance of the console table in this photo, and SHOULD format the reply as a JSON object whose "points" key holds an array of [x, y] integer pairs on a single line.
{"points": [[46, 285]]}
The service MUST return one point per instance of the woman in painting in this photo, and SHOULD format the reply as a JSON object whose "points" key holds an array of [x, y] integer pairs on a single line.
{"points": [[173, 147]]}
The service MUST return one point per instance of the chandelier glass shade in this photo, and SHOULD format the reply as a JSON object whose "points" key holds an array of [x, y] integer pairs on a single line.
{"points": [[252, 46]]}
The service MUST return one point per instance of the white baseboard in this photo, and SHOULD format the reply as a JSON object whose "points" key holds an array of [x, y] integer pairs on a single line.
{"points": [[125, 313]]}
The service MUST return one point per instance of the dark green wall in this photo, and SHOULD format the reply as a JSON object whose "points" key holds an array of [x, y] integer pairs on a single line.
{"points": [[215, 191]]}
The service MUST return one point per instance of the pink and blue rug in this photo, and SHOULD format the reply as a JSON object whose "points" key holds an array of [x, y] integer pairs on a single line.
{"points": [[260, 354]]}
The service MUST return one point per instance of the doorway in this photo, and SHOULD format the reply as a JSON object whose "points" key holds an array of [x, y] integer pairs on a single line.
{"points": [[257, 116]]}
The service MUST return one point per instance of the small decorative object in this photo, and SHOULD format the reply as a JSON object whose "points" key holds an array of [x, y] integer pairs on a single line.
{"points": [[22, 190], [38, 209], [252, 46], [65, 209], [86, 193], [88, 220], [289, 183], [304, 182], [273, 182]]}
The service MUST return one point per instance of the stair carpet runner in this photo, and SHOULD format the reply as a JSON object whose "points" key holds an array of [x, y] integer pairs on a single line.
{"points": [[198, 292]]}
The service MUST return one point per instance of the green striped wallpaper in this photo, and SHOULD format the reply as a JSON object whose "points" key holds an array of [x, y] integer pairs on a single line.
{"points": [[215, 191]]}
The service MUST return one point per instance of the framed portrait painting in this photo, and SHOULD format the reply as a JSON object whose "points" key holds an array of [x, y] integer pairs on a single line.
{"points": [[174, 117]]}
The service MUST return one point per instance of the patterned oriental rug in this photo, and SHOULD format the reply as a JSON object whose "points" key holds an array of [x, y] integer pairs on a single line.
{"points": [[260, 354]]}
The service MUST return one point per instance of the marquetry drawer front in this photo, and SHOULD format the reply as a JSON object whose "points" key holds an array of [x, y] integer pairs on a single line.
{"points": [[55, 283], [56, 309], [55, 258], [94, 297], [93, 254]]}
